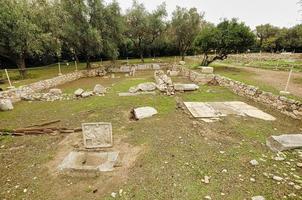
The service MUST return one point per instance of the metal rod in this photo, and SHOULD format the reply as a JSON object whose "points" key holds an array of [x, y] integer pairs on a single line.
{"points": [[10, 84], [76, 65], [289, 77], [60, 73]]}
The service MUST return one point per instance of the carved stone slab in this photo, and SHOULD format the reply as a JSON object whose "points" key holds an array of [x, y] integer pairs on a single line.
{"points": [[97, 135]]}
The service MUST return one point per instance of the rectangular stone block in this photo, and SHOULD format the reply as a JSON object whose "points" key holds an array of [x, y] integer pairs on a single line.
{"points": [[207, 70], [284, 142], [97, 135]]}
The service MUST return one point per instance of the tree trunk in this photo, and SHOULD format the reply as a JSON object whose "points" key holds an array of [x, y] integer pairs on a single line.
{"points": [[142, 57], [88, 65], [182, 55], [20, 61]]}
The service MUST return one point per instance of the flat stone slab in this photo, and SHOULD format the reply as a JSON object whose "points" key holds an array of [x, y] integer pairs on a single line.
{"points": [[97, 135], [144, 112], [220, 109], [185, 87], [284, 142], [201, 110], [129, 94], [89, 161]]}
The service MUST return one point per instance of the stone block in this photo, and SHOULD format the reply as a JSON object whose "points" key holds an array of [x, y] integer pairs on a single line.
{"points": [[207, 70], [6, 105], [185, 87], [284, 142], [97, 135], [144, 112], [82, 161]]}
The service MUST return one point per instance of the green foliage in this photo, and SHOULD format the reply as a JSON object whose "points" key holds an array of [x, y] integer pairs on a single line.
{"points": [[227, 37], [143, 28], [25, 31], [186, 25]]}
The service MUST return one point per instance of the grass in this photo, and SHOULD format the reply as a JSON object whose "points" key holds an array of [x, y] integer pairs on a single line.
{"points": [[177, 154]]}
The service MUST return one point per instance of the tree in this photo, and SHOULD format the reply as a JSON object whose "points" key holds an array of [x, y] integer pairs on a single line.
{"points": [[267, 36], [143, 27], [186, 25], [23, 30], [227, 37], [82, 29]]}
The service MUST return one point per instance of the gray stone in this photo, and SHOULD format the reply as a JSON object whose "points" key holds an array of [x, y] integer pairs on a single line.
{"points": [[182, 62], [6, 105], [173, 73], [128, 94], [133, 89], [254, 162], [89, 161], [79, 92], [207, 70], [284, 93], [99, 89], [185, 87], [220, 109], [97, 135], [258, 198], [284, 142], [144, 112], [87, 94], [145, 87], [55, 91], [155, 66]]}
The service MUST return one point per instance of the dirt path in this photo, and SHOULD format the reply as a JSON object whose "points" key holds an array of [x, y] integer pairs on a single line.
{"points": [[276, 79]]}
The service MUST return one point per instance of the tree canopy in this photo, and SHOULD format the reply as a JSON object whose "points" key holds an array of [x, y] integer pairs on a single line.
{"points": [[48, 31], [227, 37]]}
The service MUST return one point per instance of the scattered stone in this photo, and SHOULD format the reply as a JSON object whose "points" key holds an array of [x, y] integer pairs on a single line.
{"points": [[99, 89], [79, 92], [185, 87], [252, 180], [206, 179], [164, 83], [297, 187], [279, 158], [87, 94], [113, 194], [299, 165], [147, 87], [258, 198], [277, 178], [127, 94], [55, 91], [144, 112], [284, 142], [254, 162], [208, 198], [6, 105]]}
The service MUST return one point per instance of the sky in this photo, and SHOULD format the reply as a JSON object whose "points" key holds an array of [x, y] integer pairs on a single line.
{"points": [[282, 13]]}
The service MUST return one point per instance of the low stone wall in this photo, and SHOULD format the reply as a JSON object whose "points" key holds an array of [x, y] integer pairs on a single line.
{"points": [[285, 105], [195, 77], [15, 94]]}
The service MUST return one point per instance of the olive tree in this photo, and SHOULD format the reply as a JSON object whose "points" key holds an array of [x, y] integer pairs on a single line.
{"points": [[25, 30], [227, 37], [143, 28], [186, 24]]}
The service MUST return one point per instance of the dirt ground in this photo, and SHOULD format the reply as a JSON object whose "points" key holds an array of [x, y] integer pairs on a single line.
{"points": [[278, 79]]}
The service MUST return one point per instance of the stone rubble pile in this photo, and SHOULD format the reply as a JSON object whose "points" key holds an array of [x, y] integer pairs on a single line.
{"points": [[164, 83], [143, 87]]}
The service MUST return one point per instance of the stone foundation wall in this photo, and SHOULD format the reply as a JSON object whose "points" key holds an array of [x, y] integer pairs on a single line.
{"points": [[285, 105], [15, 94], [195, 77]]}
